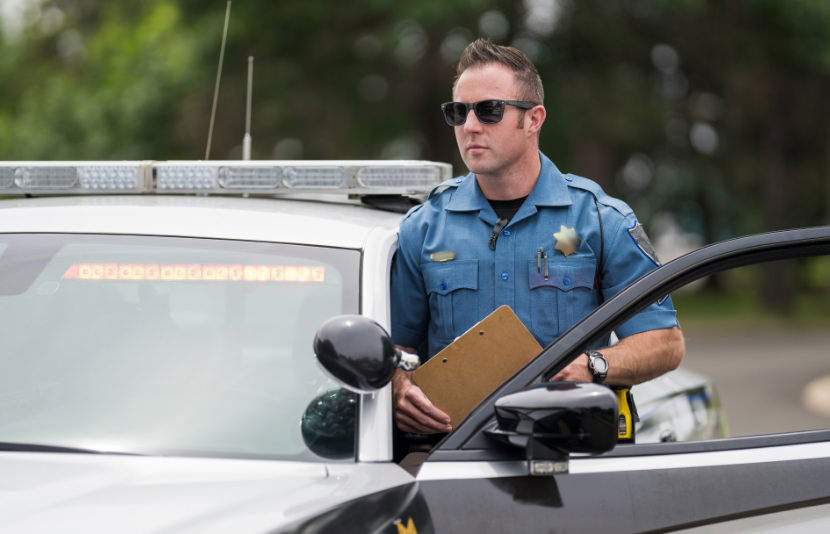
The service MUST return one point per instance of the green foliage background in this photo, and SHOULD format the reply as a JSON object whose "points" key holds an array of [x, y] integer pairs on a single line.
{"points": [[715, 113]]}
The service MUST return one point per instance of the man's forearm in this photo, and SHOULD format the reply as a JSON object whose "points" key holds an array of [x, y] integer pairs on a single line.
{"points": [[644, 356]]}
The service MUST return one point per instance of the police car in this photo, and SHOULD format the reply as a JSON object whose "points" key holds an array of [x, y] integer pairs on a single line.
{"points": [[201, 347]]}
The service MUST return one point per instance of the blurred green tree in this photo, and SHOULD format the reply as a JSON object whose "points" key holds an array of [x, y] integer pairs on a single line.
{"points": [[96, 82]]}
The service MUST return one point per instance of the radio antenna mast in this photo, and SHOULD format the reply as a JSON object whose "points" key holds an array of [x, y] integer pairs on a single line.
{"points": [[218, 79], [246, 141]]}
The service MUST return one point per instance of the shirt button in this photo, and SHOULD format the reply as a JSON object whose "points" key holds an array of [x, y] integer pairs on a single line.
{"points": [[506, 232], [505, 276], [443, 286], [566, 281]]}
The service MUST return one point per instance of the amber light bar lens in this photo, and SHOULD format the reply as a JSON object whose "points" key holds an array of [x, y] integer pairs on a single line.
{"points": [[180, 272]]}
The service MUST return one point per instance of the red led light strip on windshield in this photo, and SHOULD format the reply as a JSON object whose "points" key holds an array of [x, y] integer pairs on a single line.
{"points": [[175, 272]]}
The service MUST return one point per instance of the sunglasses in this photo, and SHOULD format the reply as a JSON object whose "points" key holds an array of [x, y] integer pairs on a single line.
{"points": [[487, 111]]}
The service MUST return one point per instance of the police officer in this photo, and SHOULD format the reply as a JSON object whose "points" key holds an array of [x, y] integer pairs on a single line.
{"points": [[518, 232]]}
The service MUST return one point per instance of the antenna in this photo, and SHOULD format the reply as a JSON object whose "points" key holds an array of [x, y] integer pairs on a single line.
{"points": [[246, 141], [218, 79]]}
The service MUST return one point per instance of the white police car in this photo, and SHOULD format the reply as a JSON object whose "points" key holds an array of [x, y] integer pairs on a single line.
{"points": [[157, 372]]}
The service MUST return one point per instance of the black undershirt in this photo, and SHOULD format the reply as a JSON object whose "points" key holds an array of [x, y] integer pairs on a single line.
{"points": [[506, 209]]}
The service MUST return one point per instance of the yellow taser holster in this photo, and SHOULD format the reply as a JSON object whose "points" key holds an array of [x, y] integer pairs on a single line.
{"points": [[628, 414]]}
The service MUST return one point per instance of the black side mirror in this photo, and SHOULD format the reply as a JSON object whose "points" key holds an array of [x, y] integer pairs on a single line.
{"points": [[328, 424], [357, 352], [556, 418]]}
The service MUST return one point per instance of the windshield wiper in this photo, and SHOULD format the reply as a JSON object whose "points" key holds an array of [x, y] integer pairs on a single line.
{"points": [[39, 447]]}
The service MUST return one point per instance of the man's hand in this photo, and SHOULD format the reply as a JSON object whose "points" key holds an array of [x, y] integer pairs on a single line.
{"points": [[576, 371], [413, 410]]}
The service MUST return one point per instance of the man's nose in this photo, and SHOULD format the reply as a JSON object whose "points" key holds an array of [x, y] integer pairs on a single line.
{"points": [[472, 124]]}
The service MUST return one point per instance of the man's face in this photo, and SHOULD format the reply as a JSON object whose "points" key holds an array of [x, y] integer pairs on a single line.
{"points": [[490, 148]]}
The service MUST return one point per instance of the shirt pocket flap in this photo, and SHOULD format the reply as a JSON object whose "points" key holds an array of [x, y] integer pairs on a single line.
{"points": [[444, 278], [564, 275]]}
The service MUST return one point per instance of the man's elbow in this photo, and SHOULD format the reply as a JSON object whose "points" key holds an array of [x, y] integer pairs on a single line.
{"points": [[676, 349]]}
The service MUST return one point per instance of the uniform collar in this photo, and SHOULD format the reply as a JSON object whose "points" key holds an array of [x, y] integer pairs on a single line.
{"points": [[550, 190]]}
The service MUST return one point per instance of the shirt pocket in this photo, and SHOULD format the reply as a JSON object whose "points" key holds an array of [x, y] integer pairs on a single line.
{"points": [[453, 296], [566, 296]]}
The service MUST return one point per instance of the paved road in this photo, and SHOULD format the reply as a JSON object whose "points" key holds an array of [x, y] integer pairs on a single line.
{"points": [[771, 380]]}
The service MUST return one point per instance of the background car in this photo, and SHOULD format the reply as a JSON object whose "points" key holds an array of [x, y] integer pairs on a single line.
{"points": [[157, 366]]}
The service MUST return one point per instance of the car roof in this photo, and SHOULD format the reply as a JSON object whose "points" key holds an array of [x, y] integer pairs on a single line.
{"points": [[302, 221]]}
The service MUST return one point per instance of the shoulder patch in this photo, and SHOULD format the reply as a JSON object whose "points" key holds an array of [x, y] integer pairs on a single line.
{"points": [[638, 235], [602, 197]]}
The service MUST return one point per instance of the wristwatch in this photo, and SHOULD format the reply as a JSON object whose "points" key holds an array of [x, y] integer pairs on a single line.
{"points": [[597, 366]]}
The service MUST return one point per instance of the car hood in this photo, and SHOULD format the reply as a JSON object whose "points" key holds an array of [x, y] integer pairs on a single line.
{"points": [[108, 493]]}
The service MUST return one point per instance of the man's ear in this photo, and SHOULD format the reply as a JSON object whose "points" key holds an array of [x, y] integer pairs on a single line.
{"points": [[534, 118]]}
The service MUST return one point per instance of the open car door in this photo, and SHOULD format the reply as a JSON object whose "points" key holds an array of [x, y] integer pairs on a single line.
{"points": [[471, 482]]}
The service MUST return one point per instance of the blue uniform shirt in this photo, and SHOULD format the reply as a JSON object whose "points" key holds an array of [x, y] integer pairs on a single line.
{"points": [[446, 278]]}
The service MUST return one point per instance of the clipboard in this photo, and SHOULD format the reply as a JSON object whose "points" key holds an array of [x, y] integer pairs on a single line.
{"points": [[467, 370]]}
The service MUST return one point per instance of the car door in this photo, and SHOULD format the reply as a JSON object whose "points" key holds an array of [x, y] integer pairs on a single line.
{"points": [[470, 484]]}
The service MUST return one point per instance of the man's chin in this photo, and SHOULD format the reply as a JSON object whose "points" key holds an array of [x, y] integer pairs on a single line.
{"points": [[479, 165]]}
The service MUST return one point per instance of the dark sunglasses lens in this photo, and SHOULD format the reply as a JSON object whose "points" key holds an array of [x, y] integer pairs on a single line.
{"points": [[489, 111], [455, 113]]}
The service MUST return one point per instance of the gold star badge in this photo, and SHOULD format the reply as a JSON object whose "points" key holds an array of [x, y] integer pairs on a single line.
{"points": [[567, 242]]}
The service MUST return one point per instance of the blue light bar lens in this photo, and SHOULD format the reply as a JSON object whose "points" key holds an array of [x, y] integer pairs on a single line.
{"points": [[186, 178], [250, 177], [109, 177], [46, 178]]}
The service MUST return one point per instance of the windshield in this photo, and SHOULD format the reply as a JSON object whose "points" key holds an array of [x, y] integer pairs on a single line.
{"points": [[166, 345]]}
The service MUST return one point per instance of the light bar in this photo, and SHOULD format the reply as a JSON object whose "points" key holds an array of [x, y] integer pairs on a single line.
{"points": [[74, 177], [353, 178]]}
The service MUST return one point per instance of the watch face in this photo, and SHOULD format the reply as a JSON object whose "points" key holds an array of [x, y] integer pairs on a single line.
{"points": [[600, 365]]}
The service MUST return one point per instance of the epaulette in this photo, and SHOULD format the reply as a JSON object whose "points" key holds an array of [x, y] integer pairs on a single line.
{"points": [[446, 184], [437, 190], [602, 197]]}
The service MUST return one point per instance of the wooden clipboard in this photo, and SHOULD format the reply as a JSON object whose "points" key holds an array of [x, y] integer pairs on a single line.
{"points": [[467, 370]]}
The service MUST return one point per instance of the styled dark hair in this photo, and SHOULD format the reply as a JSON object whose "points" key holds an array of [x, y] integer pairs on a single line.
{"points": [[483, 51]]}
